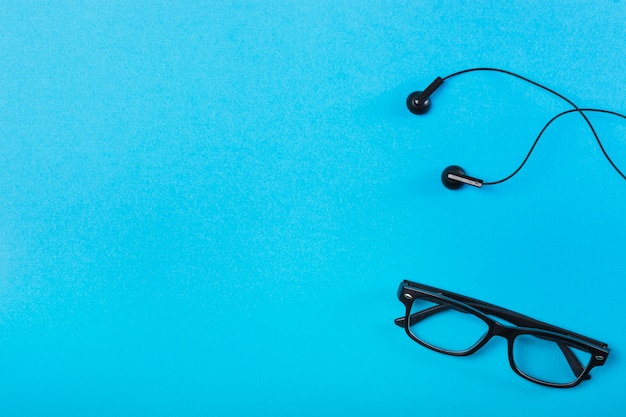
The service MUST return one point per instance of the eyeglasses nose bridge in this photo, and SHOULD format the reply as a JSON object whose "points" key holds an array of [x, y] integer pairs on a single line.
{"points": [[501, 330]]}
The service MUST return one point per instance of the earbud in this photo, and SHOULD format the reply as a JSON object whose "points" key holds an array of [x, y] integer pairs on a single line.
{"points": [[418, 102], [453, 178]]}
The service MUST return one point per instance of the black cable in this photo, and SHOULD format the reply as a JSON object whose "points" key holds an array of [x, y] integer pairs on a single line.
{"points": [[562, 97], [579, 110]]}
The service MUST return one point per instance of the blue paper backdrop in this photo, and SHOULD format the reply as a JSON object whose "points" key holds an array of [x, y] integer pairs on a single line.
{"points": [[206, 207]]}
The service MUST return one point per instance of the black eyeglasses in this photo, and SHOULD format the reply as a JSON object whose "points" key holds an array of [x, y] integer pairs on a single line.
{"points": [[457, 325]]}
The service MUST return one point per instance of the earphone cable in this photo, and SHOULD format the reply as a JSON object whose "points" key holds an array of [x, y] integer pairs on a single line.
{"points": [[579, 110], [561, 96], [570, 102]]}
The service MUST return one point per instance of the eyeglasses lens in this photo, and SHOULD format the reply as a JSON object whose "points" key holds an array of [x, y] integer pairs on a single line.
{"points": [[445, 326], [549, 360]]}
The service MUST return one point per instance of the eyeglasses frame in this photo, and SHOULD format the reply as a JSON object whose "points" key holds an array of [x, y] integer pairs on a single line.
{"points": [[408, 291]]}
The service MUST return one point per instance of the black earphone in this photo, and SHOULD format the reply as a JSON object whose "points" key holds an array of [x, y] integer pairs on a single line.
{"points": [[454, 177]]}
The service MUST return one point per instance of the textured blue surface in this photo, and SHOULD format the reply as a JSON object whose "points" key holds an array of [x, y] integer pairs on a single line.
{"points": [[206, 209]]}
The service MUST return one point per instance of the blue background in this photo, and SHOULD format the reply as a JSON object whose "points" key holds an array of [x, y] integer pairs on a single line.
{"points": [[206, 207]]}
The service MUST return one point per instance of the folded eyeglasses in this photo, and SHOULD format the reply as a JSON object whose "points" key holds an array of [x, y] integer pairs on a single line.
{"points": [[458, 325]]}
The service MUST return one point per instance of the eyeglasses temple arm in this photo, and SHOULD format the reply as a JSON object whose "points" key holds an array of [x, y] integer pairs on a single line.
{"points": [[573, 361], [508, 315], [524, 321], [415, 317], [503, 313]]}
